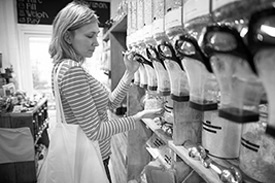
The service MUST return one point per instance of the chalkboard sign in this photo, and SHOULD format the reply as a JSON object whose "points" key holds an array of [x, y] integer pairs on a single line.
{"points": [[44, 11]]}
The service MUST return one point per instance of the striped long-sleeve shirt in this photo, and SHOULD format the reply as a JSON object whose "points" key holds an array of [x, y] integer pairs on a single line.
{"points": [[85, 102]]}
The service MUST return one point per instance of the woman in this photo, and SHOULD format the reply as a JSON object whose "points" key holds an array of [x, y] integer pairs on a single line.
{"points": [[84, 99]]}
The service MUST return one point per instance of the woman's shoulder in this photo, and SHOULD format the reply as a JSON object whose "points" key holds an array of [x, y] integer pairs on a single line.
{"points": [[68, 63]]}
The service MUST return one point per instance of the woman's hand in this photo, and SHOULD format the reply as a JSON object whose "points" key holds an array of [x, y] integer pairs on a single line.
{"points": [[149, 113], [130, 64]]}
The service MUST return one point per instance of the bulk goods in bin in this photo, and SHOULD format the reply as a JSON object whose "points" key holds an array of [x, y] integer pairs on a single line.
{"points": [[163, 81], [196, 15], [257, 155], [203, 84], [236, 12], [158, 20], [173, 18], [218, 134], [177, 75], [231, 63], [148, 21], [149, 68]]}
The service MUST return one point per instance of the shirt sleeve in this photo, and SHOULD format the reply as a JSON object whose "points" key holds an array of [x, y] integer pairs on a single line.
{"points": [[119, 93], [76, 91]]}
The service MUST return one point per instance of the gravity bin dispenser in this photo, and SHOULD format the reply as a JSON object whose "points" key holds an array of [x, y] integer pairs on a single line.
{"points": [[257, 153], [218, 134]]}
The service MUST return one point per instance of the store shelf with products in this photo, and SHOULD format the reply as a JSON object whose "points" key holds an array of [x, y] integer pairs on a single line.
{"points": [[182, 152], [119, 26], [207, 174]]}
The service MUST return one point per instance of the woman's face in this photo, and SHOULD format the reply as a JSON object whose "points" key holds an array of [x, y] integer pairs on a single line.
{"points": [[84, 40]]}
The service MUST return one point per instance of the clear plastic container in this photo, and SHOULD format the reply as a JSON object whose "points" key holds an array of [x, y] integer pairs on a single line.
{"points": [[140, 14], [178, 81], [196, 15], [265, 64], [204, 87], [241, 90], [173, 18], [137, 78], [158, 20], [236, 12], [148, 20]]}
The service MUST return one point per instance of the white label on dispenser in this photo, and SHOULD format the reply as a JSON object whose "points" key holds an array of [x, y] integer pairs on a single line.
{"points": [[147, 30], [173, 18], [219, 3], [195, 8], [158, 26]]}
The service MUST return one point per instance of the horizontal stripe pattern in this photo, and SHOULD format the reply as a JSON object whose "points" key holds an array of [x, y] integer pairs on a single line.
{"points": [[85, 102]]}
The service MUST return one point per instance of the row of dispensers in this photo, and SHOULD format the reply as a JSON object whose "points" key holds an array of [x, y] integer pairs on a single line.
{"points": [[228, 75]]}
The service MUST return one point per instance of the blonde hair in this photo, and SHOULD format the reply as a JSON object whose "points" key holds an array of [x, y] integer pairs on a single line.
{"points": [[73, 16]]}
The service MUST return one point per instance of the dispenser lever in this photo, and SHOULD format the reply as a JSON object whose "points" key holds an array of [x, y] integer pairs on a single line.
{"points": [[270, 130], [226, 175]]}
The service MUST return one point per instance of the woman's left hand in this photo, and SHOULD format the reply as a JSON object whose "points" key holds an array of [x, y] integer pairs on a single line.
{"points": [[130, 64]]}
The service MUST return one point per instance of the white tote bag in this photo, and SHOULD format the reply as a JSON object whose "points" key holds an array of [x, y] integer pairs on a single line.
{"points": [[71, 157]]}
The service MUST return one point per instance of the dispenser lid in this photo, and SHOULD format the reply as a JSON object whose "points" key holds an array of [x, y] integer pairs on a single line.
{"points": [[223, 38], [261, 30]]}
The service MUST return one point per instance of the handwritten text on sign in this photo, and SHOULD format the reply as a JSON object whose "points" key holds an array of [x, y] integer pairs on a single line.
{"points": [[44, 11], [28, 11]]}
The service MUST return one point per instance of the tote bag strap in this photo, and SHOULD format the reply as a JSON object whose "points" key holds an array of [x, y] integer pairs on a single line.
{"points": [[59, 108]]}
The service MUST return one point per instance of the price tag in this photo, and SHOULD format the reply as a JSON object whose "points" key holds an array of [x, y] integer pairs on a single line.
{"points": [[219, 3], [195, 8], [158, 26], [173, 18]]}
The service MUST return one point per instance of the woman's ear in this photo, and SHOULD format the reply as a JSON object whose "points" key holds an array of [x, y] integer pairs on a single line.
{"points": [[68, 37]]}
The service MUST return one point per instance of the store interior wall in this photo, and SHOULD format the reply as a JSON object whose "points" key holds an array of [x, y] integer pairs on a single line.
{"points": [[9, 39], [13, 38]]}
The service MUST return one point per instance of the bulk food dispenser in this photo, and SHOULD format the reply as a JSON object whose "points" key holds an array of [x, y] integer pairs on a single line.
{"points": [[257, 154], [218, 134], [240, 91]]}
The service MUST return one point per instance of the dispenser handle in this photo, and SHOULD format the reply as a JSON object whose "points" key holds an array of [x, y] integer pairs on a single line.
{"points": [[197, 54], [139, 58], [156, 58], [270, 130], [226, 175], [173, 56]]}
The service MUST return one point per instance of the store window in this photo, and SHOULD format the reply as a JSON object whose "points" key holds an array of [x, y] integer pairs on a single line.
{"points": [[36, 60]]}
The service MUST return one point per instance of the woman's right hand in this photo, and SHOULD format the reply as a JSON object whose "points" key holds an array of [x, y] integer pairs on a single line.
{"points": [[149, 113]]}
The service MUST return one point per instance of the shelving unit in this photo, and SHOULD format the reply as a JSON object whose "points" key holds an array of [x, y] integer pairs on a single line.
{"points": [[207, 174], [117, 37]]}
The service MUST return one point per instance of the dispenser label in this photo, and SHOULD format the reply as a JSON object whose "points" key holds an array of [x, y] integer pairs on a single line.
{"points": [[173, 18], [219, 3], [147, 29], [158, 26], [195, 8]]}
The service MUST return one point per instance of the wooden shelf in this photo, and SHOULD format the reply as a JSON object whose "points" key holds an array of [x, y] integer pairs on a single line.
{"points": [[207, 174], [151, 124], [119, 26]]}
